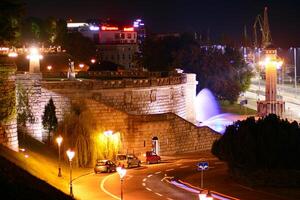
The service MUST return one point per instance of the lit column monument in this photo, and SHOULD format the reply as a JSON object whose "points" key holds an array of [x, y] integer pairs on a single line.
{"points": [[34, 57], [271, 62]]}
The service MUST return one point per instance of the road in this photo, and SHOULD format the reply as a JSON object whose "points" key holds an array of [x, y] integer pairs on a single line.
{"points": [[286, 92], [152, 182]]}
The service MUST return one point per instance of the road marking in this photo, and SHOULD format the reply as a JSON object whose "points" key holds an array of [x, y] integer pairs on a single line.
{"points": [[166, 177], [179, 164], [158, 194], [144, 184], [148, 189], [169, 170], [144, 180], [184, 167], [107, 192], [170, 198], [149, 175], [157, 172]]}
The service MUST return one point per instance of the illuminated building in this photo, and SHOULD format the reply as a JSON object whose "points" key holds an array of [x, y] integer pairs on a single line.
{"points": [[117, 44]]}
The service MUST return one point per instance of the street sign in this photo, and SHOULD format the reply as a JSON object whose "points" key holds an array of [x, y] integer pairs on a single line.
{"points": [[202, 166]]}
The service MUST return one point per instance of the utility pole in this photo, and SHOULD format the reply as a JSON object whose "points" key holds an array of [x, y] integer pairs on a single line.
{"points": [[295, 70]]}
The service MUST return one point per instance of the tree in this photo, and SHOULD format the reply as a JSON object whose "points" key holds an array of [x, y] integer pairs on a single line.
{"points": [[23, 107], [158, 53], [10, 21], [80, 47], [77, 128], [49, 119], [263, 151], [221, 69]]}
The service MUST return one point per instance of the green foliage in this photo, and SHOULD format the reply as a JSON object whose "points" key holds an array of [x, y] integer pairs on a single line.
{"points": [[7, 94], [76, 129], [85, 135], [49, 119], [158, 53], [224, 72], [23, 107], [264, 146], [10, 21], [80, 47]]}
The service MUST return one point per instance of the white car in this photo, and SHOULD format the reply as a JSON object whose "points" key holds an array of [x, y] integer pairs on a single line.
{"points": [[128, 160]]}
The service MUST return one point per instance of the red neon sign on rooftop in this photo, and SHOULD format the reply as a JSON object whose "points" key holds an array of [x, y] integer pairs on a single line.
{"points": [[109, 28], [128, 29]]}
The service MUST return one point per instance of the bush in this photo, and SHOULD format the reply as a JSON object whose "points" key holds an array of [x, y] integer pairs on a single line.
{"points": [[267, 146]]}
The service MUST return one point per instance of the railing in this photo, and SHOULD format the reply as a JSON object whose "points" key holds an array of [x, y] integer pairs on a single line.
{"points": [[110, 74], [114, 83]]}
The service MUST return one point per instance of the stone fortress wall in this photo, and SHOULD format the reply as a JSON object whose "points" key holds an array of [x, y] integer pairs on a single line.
{"points": [[8, 128], [140, 108]]}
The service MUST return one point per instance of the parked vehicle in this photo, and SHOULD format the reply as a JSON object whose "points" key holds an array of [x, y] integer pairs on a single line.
{"points": [[104, 166], [152, 157], [128, 160]]}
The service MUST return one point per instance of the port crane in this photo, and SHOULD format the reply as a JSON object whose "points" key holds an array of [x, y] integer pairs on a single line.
{"points": [[263, 24]]}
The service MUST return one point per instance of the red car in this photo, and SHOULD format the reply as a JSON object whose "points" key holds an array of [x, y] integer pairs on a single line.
{"points": [[152, 157]]}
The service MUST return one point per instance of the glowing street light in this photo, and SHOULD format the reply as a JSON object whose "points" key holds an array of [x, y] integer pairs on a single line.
{"points": [[59, 140], [34, 57], [81, 65], [93, 60], [108, 134], [71, 155], [122, 172], [49, 67], [205, 195]]}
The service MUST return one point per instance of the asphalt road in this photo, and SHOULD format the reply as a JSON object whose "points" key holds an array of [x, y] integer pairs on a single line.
{"points": [[147, 182], [152, 182]]}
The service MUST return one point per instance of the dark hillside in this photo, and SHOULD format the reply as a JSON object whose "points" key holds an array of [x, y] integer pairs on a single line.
{"points": [[15, 183]]}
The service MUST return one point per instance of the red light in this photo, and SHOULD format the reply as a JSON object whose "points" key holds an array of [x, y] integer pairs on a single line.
{"points": [[109, 28], [128, 29]]}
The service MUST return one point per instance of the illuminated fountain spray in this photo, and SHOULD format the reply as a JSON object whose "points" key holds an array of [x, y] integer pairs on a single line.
{"points": [[34, 60], [208, 112]]}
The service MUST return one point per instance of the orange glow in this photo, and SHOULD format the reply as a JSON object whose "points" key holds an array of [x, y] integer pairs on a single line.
{"points": [[109, 28], [128, 29]]}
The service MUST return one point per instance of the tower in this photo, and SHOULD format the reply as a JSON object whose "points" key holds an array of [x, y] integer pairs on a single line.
{"points": [[271, 62]]}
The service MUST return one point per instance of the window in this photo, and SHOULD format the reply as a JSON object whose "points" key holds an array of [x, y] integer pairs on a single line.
{"points": [[129, 35], [117, 36], [122, 35]]}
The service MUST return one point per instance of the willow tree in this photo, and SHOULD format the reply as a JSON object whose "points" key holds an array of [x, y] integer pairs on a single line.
{"points": [[76, 129], [82, 132]]}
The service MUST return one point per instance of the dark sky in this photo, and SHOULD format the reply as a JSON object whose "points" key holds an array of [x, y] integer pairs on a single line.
{"points": [[220, 16]]}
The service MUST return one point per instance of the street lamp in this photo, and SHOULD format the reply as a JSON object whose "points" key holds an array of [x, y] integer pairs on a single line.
{"points": [[71, 155], [108, 134], [59, 140], [122, 172]]}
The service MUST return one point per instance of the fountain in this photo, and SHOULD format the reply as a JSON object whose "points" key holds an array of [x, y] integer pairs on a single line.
{"points": [[208, 112]]}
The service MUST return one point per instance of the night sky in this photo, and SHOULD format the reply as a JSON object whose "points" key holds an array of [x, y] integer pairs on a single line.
{"points": [[220, 16]]}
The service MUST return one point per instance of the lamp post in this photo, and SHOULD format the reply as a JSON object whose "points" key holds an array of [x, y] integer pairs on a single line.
{"points": [[59, 140], [122, 172], [108, 134], [71, 155]]}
